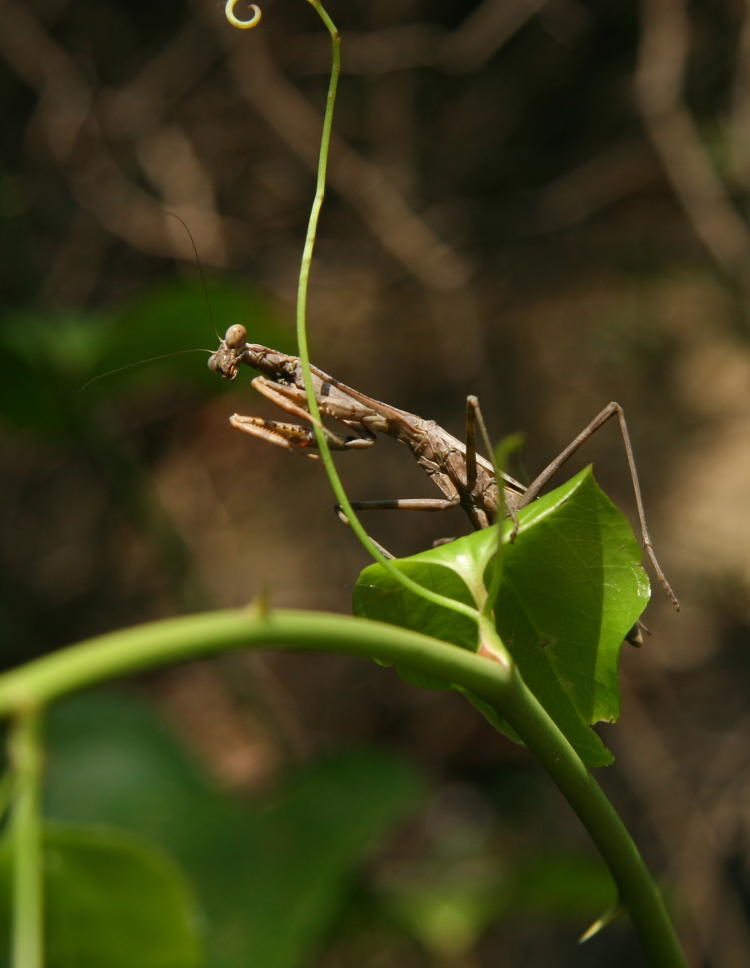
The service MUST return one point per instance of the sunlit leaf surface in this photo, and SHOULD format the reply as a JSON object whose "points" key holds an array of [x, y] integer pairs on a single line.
{"points": [[572, 587]]}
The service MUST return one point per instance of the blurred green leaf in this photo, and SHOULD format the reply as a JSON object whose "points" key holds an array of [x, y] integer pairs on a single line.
{"points": [[323, 824], [111, 900], [571, 589], [561, 884], [175, 317], [272, 874], [447, 911], [43, 361], [447, 908], [46, 361]]}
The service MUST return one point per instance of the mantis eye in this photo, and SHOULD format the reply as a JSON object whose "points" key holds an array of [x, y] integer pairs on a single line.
{"points": [[235, 337]]}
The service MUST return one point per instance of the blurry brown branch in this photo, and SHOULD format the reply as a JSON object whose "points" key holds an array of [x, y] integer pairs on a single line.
{"points": [[69, 115], [104, 139], [691, 818], [384, 50], [385, 211], [659, 83], [484, 32], [624, 169], [739, 121]]}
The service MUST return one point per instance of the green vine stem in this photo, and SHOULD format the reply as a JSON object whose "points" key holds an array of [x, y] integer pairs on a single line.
{"points": [[304, 351], [302, 341], [25, 829], [34, 685]]}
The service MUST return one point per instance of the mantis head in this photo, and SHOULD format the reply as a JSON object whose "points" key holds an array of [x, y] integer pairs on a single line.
{"points": [[226, 360]]}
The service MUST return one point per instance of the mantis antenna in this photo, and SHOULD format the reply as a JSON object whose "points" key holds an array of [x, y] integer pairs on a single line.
{"points": [[235, 21]]}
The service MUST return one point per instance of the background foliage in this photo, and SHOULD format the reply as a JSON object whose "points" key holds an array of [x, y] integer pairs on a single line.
{"points": [[542, 203]]}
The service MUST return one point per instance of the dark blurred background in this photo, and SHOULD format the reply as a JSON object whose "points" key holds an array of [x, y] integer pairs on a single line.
{"points": [[543, 203]]}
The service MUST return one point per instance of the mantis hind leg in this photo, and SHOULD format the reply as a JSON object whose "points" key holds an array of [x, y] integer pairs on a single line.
{"points": [[474, 419], [611, 410], [397, 504]]}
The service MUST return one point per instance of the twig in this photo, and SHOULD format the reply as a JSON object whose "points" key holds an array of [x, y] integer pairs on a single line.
{"points": [[68, 114], [658, 83], [384, 209], [739, 116]]}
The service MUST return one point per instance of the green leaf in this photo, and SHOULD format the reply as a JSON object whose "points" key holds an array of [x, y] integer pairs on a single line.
{"points": [[111, 900], [571, 589]]}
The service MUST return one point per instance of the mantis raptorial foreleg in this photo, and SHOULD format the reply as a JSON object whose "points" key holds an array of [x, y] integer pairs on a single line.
{"points": [[293, 436]]}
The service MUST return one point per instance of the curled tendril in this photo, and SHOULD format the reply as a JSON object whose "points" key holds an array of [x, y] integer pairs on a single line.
{"points": [[235, 21]]}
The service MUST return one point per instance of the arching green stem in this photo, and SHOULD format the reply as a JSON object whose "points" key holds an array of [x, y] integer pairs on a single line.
{"points": [[44, 680], [302, 342]]}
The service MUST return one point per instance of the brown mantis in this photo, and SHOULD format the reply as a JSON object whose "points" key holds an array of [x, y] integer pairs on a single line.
{"points": [[466, 479]]}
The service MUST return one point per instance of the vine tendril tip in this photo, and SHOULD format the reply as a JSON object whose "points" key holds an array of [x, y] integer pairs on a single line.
{"points": [[235, 21]]}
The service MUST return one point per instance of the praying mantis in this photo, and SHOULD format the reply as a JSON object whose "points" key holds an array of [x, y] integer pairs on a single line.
{"points": [[465, 478]]}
